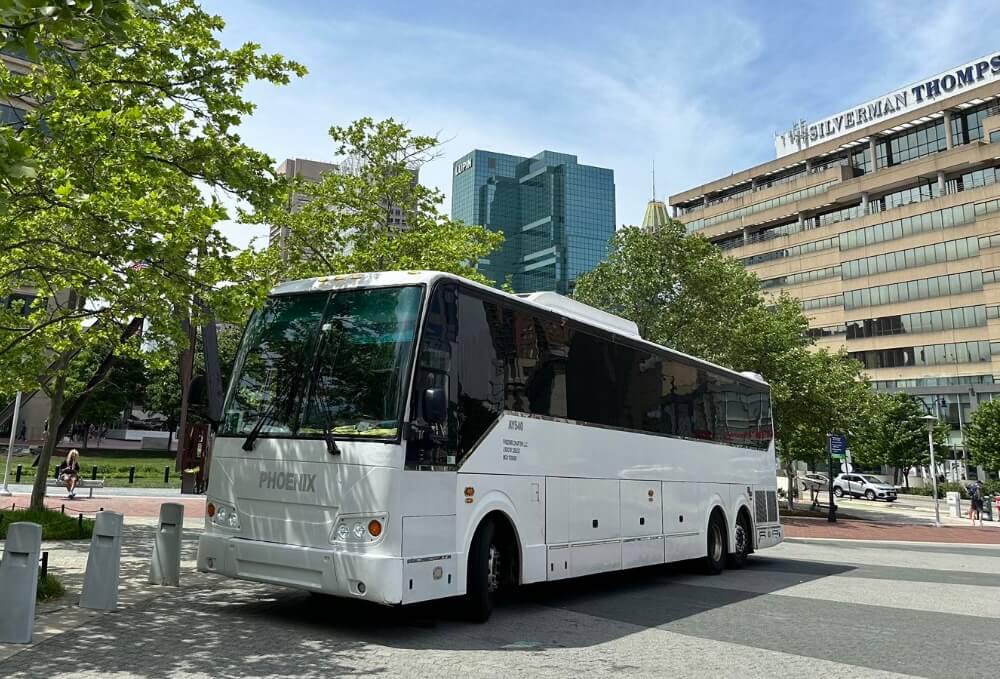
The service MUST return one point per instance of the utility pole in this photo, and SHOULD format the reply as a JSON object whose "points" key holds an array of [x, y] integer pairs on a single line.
{"points": [[5, 491]]}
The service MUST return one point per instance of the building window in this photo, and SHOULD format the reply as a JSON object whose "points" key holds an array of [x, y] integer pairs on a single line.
{"points": [[926, 321], [938, 286], [910, 145], [930, 354]]}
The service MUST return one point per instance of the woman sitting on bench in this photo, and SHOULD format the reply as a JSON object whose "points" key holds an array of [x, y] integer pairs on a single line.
{"points": [[69, 472]]}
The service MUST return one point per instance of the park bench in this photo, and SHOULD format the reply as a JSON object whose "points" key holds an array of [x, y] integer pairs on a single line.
{"points": [[84, 483]]}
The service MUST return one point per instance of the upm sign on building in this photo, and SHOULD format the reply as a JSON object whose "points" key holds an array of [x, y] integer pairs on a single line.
{"points": [[915, 95]]}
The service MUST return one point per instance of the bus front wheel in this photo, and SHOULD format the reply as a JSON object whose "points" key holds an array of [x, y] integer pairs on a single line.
{"points": [[486, 563], [715, 559], [741, 540]]}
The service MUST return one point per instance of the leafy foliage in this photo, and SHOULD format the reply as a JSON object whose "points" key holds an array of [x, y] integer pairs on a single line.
{"points": [[60, 25], [134, 138], [982, 435], [348, 224], [107, 401], [128, 137], [892, 433]]}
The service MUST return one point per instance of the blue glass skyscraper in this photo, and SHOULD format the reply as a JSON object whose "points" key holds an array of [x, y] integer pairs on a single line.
{"points": [[556, 215]]}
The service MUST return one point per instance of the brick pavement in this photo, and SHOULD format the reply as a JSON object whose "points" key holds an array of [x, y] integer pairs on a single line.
{"points": [[800, 527], [194, 505]]}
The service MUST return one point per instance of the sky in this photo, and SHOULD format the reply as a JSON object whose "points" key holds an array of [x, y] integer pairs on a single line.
{"points": [[699, 89]]}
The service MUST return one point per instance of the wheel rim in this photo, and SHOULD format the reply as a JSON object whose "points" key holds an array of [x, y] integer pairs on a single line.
{"points": [[870, 495], [838, 492], [493, 570], [716, 543], [741, 539]]}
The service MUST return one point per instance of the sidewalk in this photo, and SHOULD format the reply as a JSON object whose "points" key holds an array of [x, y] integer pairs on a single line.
{"points": [[849, 529], [68, 560]]}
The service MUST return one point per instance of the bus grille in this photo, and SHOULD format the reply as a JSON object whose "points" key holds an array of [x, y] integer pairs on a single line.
{"points": [[765, 506], [772, 506]]}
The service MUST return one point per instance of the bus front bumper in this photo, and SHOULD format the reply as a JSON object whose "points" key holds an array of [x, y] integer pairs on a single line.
{"points": [[769, 536], [376, 578]]}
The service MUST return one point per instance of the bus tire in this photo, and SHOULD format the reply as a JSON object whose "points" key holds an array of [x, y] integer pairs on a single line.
{"points": [[715, 557], [742, 539], [483, 579]]}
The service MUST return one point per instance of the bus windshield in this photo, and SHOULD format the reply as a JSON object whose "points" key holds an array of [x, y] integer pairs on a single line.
{"points": [[323, 362]]}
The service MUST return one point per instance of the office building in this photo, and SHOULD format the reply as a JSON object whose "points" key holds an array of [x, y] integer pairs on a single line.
{"points": [[884, 220], [313, 171], [556, 215]]}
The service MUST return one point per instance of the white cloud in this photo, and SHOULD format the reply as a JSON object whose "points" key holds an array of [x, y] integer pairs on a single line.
{"points": [[614, 98]]}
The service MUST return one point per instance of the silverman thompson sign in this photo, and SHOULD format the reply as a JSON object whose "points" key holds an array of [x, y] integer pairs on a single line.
{"points": [[894, 104]]}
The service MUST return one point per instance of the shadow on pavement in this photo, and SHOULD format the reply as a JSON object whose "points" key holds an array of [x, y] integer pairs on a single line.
{"points": [[227, 628]]}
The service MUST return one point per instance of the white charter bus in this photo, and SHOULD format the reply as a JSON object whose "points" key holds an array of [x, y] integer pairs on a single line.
{"points": [[406, 436]]}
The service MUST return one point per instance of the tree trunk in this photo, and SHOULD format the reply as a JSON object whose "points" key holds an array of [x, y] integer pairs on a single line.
{"points": [[906, 477], [187, 368], [790, 473], [52, 437]]}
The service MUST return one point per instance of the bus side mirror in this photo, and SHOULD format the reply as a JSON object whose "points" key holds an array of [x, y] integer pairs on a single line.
{"points": [[435, 405]]}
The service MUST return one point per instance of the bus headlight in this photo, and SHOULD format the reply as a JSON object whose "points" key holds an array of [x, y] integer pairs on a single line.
{"points": [[225, 516], [358, 529]]}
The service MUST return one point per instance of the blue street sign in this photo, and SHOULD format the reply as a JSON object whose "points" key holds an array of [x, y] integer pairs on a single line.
{"points": [[838, 444]]}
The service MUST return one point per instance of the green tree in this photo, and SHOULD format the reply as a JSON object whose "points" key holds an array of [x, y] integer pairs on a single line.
{"points": [[982, 435], [348, 225], [684, 293], [108, 399], [894, 434], [60, 25], [134, 141], [163, 393]]}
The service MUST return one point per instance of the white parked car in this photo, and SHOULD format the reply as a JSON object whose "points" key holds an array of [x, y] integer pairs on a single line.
{"points": [[863, 485], [813, 481]]}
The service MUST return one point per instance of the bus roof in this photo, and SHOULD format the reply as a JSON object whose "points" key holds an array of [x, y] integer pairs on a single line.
{"points": [[548, 301]]}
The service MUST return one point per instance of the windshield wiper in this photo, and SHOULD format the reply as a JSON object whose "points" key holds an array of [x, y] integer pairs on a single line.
{"points": [[331, 443], [248, 443]]}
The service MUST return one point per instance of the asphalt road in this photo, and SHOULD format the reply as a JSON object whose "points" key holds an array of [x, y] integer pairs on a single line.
{"points": [[809, 608]]}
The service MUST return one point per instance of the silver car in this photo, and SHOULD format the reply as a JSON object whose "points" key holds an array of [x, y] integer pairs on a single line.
{"points": [[863, 485]]}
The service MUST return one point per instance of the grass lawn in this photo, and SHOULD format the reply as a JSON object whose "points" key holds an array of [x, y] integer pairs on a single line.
{"points": [[55, 525], [113, 467]]}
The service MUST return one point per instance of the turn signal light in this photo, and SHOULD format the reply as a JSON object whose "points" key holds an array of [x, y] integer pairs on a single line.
{"points": [[470, 491], [375, 528], [210, 510]]}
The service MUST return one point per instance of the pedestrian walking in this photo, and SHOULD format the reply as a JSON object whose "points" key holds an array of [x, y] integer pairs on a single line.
{"points": [[976, 502]]}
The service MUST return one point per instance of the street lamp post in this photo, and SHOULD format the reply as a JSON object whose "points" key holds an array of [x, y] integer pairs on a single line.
{"points": [[930, 421], [5, 491]]}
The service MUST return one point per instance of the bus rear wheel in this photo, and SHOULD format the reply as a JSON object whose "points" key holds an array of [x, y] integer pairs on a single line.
{"points": [[487, 561], [715, 558]]}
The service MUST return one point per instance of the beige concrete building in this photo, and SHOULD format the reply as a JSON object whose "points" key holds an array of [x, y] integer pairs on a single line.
{"points": [[313, 171], [884, 220]]}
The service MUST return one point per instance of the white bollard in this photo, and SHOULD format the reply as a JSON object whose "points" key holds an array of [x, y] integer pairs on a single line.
{"points": [[19, 582], [100, 582], [165, 568]]}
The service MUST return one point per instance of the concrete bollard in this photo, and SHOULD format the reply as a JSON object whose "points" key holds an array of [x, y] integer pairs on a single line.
{"points": [[165, 568], [100, 582], [19, 582]]}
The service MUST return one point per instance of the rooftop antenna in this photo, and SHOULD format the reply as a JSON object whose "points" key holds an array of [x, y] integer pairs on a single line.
{"points": [[654, 179]]}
